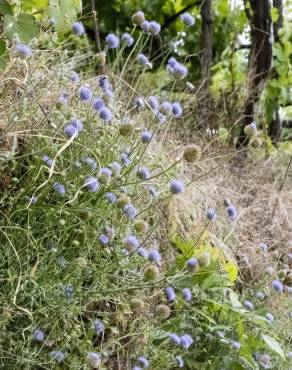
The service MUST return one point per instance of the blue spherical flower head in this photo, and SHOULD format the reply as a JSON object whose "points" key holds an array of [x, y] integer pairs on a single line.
{"points": [[269, 317], [146, 136], [180, 71], [112, 41], [260, 295], [127, 39], [142, 59], [177, 186], [187, 295], [23, 50], [116, 168], [180, 361], [130, 211], [58, 356], [248, 305], [139, 102], [125, 159], [145, 26], [78, 28], [131, 243], [143, 173], [187, 19], [176, 110], [73, 128], [153, 191], [111, 197], [63, 99], [153, 103], [171, 62], [93, 358], [235, 345], [48, 160], [170, 294], [143, 362], [32, 199], [136, 368], [232, 212], [92, 184], [186, 341], [85, 93], [98, 327], [174, 339], [104, 83], [143, 252], [192, 263], [166, 107], [263, 247], [106, 114], [278, 286], [74, 77], [211, 214], [59, 188], [103, 239], [265, 361], [154, 256], [98, 104], [38, 335], [154, 28]]}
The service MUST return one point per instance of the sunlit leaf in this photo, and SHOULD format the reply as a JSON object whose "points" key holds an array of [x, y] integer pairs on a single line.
{"points": [[24, 25], [274, 345]]}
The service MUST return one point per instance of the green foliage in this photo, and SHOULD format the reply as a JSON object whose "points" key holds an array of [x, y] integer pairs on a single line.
{"points": [[23, 25]]}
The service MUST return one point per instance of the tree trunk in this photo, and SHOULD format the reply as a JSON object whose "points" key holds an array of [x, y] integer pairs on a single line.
{"points": [[275, 126], [260, 56], [206, 59]]}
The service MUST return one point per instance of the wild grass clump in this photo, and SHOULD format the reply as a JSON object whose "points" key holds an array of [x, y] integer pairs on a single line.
{"points": [[91, 275]]}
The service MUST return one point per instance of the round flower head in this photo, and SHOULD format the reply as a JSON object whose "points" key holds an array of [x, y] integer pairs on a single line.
{"points": [[186, 341], [85, 93], [73, 128], [139, 102], [116, 168], [59, 188], [131, 242], [227, 202], [152, 191], [162, 311], [145, 26], [248, 304], [143, 173], [78, 28], [142, 59], [211, 214], [106, 114], [192, 153], [171, 62], [146, 136], [235, 345], [170, 294], [58, 356], [178, 70], [151, 273], [143, 252], [176, 110], [263, 247], [174, 339], [125, 159], [106, 171], [265, 361], [165, 107], [48, 160], [177, 186], [90, 162], [32, 199], [112, 41], [103, 239], [180, 361], [143, 362], [38, 335], [126, 129], [187, 295], [260, 295], [192, 264], [138, 18], [98, 327], [74, 77], [187, 19], [154, 28], [130, 211], [23, 50], [63, 99], [153, 102], [93, 359], [269, 317], [92, 184], [127, 39], [232, 212], [278, 286], [111, 197], [154, 256], [104, 83], [98, 104], [136, 368]]}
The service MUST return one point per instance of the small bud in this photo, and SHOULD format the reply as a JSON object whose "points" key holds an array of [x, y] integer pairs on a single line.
{"points": [[192, 153], [123, 200], [162, 311], [126, 129], [256, 142], [136, 304], [141, 226], [151, 272], [204, 260], [250, 130], [138, 18]]}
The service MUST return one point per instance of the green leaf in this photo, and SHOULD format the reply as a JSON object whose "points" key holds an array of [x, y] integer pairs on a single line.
{"points": [[65, 13], [274, 14], [24, 25], [4, 56], [34, 4], [231, 270], [274, 345], [5, 8]]}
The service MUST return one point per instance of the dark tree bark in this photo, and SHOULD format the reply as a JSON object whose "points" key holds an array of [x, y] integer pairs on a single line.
{"points": [[275, 126], [206, 59], [260, 56]]}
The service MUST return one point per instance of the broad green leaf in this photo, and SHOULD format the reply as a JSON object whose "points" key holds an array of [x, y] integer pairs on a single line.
{"points": [[5, 8], [274, 345], [65, 13], [234, 299], [34, 4], [231, 270], [4, 56], [274, 14], [24, 25]]}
